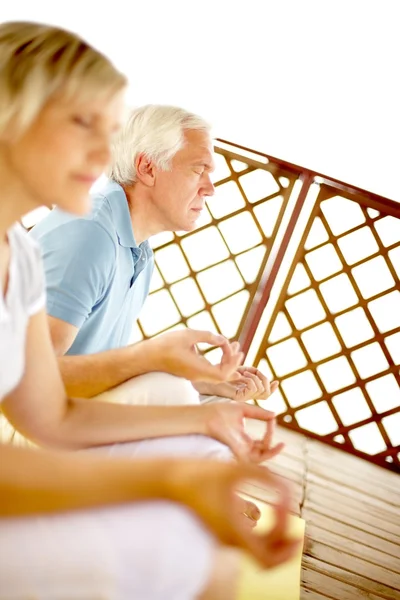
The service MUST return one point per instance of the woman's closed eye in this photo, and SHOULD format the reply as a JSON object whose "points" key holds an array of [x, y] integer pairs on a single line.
{"points": [[83, 121]]}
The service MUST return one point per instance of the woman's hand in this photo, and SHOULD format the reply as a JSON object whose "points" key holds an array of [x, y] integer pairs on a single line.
{"points": [[225, 422], [209, 489]]}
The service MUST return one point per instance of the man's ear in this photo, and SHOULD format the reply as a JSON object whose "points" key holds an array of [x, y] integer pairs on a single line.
{"points": [[145, 170]]}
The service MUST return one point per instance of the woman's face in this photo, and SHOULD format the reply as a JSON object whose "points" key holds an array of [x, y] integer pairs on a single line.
{"points": [[65, 150]]}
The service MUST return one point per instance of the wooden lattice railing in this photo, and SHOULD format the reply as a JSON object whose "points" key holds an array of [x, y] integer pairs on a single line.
{"points": [[304, 270]]}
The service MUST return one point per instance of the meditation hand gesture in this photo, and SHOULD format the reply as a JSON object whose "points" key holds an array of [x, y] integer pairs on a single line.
{"points": [[226, 422], [176, 352], [249, 384], [211, 493]]}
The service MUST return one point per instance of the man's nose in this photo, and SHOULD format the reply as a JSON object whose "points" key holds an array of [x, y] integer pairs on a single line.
{"points": [[209, 189]]}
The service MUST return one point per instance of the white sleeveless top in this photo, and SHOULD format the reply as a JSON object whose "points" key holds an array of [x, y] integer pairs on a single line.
{"points": [[25, 296]]}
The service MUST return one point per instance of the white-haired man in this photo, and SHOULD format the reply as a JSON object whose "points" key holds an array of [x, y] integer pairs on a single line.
{"points": [[98, 271]]}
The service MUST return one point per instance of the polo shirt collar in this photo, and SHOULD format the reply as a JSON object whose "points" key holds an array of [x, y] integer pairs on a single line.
{"points": [[121, 214]]}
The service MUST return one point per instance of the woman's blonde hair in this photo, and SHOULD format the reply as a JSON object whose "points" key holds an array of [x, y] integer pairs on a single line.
{"points": [[37, 61]]}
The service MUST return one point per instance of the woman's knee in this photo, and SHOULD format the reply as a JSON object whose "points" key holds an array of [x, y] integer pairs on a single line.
{"points": [[153, 550], [163, 551], [180, 446]]}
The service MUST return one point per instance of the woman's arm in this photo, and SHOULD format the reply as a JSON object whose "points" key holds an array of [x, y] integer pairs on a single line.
{"points": [[40, 481], [39, 409], [43, 482]]}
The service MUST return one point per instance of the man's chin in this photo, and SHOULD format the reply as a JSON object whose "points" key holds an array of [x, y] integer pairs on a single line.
{"points": [[188, 227]]}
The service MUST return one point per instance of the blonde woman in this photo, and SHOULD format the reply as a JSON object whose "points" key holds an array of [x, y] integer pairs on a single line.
{"points": [[74, 525]]}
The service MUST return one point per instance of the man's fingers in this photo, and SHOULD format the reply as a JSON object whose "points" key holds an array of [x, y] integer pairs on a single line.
{"points": [[252, 370], [230, 361], [229, 350], [250, 385], [235, 347], [264, 389], [265, 382], [198, 336], [206, 371], [274, 386], [243, 394], [258, 384], [267, 388], [228, 370]]}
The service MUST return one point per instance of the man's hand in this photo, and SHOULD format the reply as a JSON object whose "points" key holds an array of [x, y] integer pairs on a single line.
{"points": [[250, 385], [225, 423], [176, 353], [209, 489]]}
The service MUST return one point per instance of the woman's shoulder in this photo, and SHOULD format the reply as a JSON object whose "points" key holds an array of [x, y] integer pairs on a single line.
{"points": [[25, 243], [29, 270], [26, 250]]}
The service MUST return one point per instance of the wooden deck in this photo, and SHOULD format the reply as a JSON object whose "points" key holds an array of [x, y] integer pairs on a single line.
{"points": [[352, 514]]}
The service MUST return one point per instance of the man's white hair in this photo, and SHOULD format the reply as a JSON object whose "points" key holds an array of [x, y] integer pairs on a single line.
{"points": [[155, 131]]}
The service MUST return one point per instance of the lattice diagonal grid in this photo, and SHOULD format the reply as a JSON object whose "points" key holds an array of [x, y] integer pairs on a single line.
{"points": [[332, 333], [334, 340], [206, 279]]}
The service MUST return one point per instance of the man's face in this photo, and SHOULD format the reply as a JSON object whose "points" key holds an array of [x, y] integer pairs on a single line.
{"points": [[179, 194]]}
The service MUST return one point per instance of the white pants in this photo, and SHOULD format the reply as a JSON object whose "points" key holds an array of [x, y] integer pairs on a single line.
{"points": [[143, 551], [153, 388]]}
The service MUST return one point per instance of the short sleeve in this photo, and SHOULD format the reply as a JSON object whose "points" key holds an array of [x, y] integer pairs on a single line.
{"points": [[79, 259]]}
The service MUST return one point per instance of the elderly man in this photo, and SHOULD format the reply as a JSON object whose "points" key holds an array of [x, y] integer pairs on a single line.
{"points": [[98, 271]]}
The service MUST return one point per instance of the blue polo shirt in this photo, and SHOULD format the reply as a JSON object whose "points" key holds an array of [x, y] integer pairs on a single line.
{"points": [[97, 277]]}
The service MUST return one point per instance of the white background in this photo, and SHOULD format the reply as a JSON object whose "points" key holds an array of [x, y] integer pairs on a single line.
{"points": [[314, 82]]}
